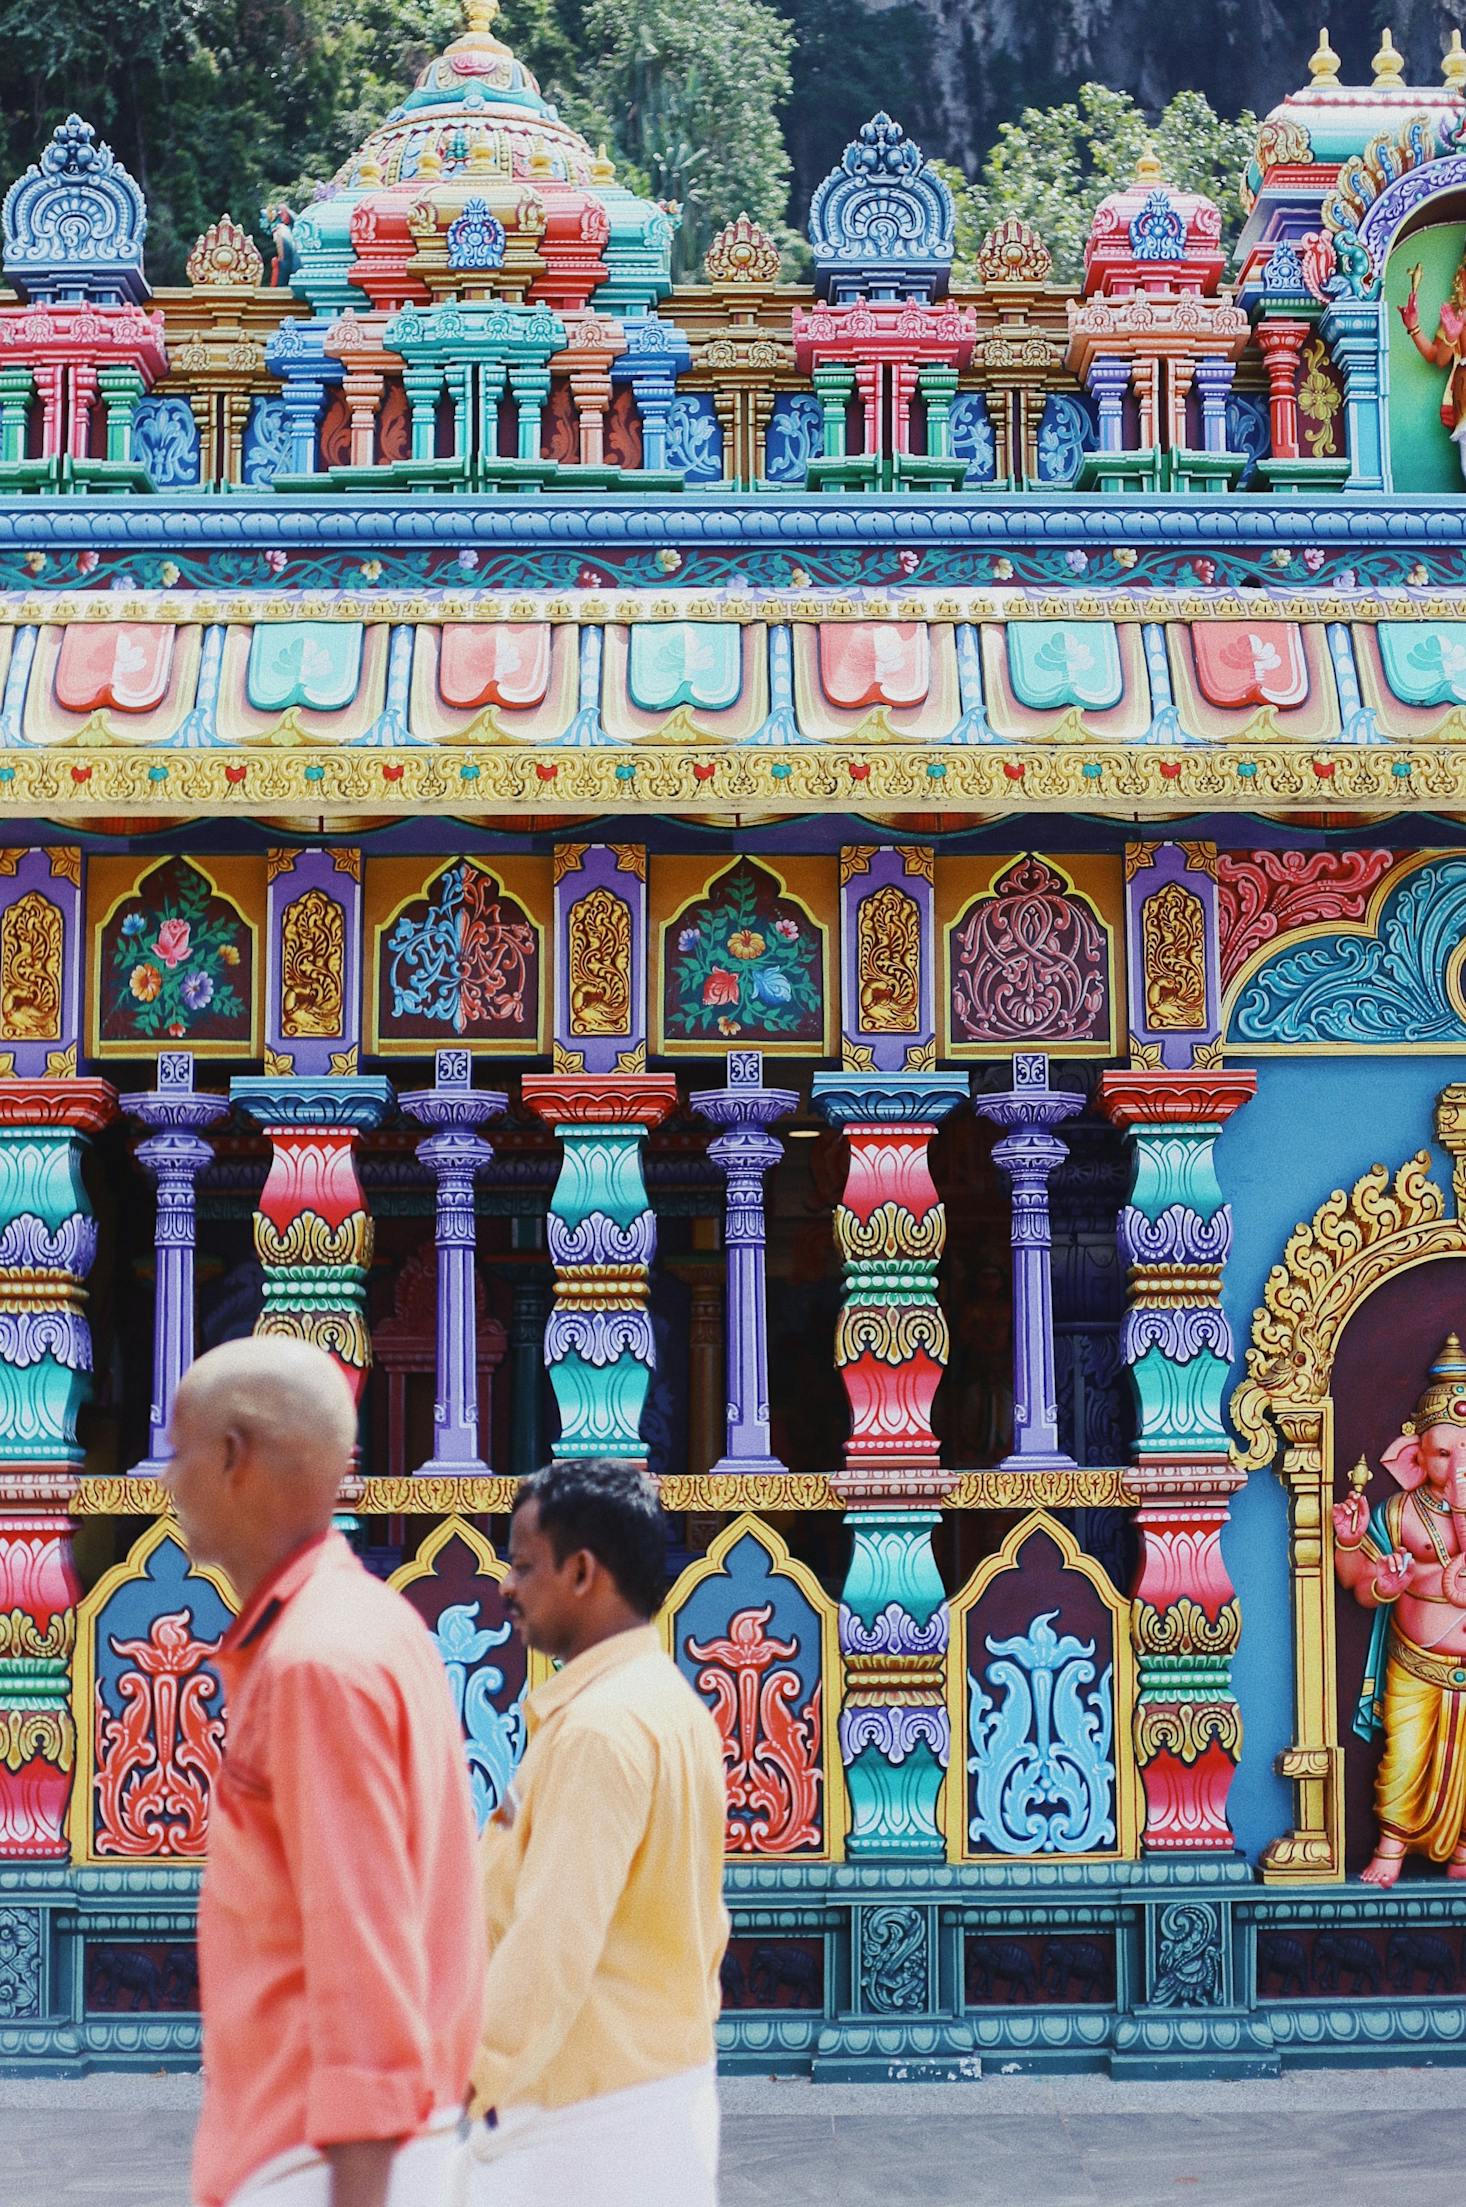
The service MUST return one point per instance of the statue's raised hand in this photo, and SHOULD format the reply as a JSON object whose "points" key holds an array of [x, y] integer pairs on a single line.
{"points": [[1393, 1576], [1351, 1520]]}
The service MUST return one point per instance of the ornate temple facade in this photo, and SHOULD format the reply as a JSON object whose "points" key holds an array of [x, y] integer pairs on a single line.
{"points": [[854, 891]]}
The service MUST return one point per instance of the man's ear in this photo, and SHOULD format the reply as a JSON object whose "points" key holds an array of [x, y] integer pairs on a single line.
{"points": [[236, 1452]]}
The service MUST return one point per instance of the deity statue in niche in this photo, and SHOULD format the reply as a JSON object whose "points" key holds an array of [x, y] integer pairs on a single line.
{"points": [[1407, 1561], [1447, 349]]}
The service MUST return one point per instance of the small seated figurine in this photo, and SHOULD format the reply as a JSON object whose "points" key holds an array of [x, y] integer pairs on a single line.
{"points": [[1407, 1560]]}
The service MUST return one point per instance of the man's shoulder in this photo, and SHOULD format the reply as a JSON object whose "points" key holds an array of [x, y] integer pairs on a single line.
{"points": [[348, 1623], [647, 1696]]}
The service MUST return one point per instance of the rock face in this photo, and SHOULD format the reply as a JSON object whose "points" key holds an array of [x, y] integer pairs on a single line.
{"points": [[973, 64]]}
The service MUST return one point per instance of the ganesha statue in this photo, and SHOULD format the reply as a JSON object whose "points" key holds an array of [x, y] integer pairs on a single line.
{"points": [[1406, 1560]]}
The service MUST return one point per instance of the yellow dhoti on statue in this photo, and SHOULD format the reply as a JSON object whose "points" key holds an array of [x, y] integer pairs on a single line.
{"points": [[1420, 1791]]}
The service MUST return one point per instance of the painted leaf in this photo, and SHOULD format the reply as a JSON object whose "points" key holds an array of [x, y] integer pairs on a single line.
{"points": [[315, 664], [1055, 664], [1241, 663], [121, 664], [505, 664], [1424, 662], [874, 662], [696, 663]]}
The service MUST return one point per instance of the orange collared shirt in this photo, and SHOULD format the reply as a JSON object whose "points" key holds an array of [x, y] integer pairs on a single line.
{"points": [[341, 1947]]}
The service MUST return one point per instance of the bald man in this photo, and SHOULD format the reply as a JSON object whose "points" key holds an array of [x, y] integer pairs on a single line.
{"points": [[341, 1951]]}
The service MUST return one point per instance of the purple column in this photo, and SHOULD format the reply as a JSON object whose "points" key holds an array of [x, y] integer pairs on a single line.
{"points": [[1109, 379], [174, 1155], [454, 1153], [744, 1154], [1028, 1153]]}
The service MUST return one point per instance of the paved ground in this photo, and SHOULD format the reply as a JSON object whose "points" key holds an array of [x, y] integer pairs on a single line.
{"points": [[1328, 2138]]}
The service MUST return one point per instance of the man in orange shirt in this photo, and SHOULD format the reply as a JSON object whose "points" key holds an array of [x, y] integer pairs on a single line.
{"points": [[341, 1954], [603, 1877]]}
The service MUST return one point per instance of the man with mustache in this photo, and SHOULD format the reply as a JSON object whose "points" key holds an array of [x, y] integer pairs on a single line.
{"points": [[602, 1877]]}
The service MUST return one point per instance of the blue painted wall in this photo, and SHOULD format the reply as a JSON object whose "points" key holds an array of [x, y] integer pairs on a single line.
{"points": [[1315, 1124]]}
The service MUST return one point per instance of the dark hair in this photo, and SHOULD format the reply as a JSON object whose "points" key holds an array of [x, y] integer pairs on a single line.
{"points": [[611, 1508]]}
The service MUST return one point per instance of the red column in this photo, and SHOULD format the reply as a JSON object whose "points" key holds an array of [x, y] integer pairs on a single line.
{"points": [[1282, 345]]}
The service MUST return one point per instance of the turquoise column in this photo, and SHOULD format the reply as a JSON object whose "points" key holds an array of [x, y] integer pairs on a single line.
{"points": [[48, 1240], [895, 1735], [602, 1236]]}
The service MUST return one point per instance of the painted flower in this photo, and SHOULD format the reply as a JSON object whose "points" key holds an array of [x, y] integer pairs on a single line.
{"points": [[799, 578], [169, 573], [729, 1027], [1125, 555], [88, 562], [176, 1030], [468, 560], [371, 570], [1002, 570], [669, 559], [34, 563], [1313, 559], [720, 987], [908, 561], [788, 928], [1280, 556], [173, 942], [1076, 561], [275, 561], [1346, 579], [1418, 577], [772, 986], [135, 923], [689, 938], [228, 954], [590, 578], [1205, 570], [145, 982], [198, 990], [745, 943]]}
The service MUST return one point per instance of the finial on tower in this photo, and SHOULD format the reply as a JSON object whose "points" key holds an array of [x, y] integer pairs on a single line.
{"points": [[1148, 169], [1388, 64], [1324, 67], [481, 14], [1453, 68]]}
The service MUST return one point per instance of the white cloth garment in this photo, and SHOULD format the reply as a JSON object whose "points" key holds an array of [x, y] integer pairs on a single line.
{"points": [[654, 2145], [302, 2178]]}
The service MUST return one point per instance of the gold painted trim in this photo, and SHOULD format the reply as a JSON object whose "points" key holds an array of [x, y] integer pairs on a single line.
{"points": [[83, 1681], [832, 1681], [143, 1046], [826, 932], [1123, 1691]]}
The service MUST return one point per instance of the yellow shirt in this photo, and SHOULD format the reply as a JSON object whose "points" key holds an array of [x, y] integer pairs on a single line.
{"points": [[603, 1886]]}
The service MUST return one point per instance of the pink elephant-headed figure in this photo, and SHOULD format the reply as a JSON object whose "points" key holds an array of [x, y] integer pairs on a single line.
{"points": [[1407, 1561]]}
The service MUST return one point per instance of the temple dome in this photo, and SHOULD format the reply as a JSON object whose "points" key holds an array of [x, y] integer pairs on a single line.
{"points": [[1151, 235]]}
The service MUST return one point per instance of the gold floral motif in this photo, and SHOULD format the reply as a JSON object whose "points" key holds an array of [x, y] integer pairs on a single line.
{"points": [[28, 1733], [32, 947], [66, 863], [1173, 949], [888, 961], [893, 1333], [308, 1240], [1186, 1729], [891, 1230], [312, 967], [598, 954], [1319, 397], [1184, 1628], [341, 1333], [21, 1638]]}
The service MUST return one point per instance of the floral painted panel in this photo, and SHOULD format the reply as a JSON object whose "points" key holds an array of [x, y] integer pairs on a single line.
{"points": [[744, 961], [460, 961], [176, 964]]}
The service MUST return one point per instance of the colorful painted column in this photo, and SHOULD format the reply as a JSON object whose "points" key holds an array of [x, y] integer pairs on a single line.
{"points": [[895, 1733], [39, 1591], [744, 1154], [455, 1152], [1175, 1234], [602, 1236], [1028, 1154], [891, 1341], [313, 1233], [174, 1153]]}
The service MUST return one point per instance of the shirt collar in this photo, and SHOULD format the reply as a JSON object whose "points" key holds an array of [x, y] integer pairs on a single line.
{"points": [[281, 1586], [584, 1670]]}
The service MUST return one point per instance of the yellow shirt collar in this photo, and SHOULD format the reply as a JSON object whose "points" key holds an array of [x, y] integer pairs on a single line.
{"points": [[584, 1670]]}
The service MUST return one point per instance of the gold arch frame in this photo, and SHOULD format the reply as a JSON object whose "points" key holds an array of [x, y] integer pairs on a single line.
{"points": [[422, 1564], [398, 1046], [84, 1674], [1124, 1694], [832, 1680], [1284, 1413], [660, 933]]}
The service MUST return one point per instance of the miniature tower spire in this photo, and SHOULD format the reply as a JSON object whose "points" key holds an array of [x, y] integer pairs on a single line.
{"points": [[1453, 67], [1388, 64], [1324, 67]]}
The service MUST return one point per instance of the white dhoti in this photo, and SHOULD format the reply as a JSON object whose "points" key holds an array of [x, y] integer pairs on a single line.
{"points": [[654, 2145], [421, 2171]]}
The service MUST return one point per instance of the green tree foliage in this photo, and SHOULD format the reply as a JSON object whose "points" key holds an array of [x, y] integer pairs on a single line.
{"points": [[1055, 164], [689, 94]]}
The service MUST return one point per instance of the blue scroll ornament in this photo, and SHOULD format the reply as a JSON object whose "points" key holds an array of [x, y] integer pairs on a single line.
{"points": [[1041, 1761], [493, 1737]]}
